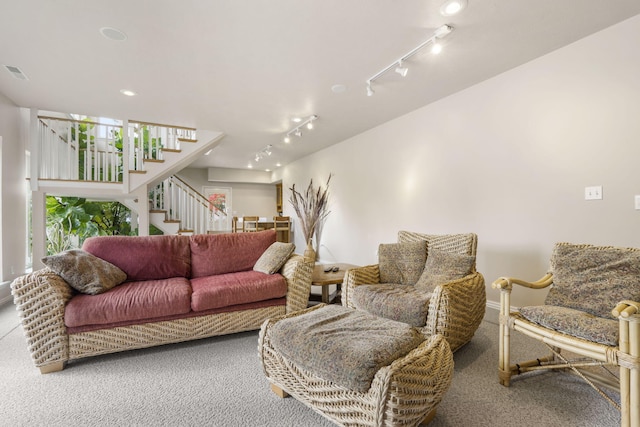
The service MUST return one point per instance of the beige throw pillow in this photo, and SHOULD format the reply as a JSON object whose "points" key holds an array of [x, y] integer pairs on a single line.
{"points": [[85, 272], [401, 263], [442, 267], [274, 257]]}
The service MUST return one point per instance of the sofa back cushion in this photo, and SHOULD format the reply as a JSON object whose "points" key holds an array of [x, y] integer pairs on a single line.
{"points": [[593, 279], [213, 254], [144, 257]]}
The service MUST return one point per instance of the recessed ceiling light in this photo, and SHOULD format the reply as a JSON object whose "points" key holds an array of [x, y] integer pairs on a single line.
{"points": [[113, 34], [296, 119], [127, 92], [452, 7]]}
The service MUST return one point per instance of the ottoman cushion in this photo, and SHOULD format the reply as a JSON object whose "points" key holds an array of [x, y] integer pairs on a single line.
{"points": [[342, 345]]}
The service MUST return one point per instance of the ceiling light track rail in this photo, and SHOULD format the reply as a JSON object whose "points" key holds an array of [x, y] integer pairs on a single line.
{"points": [[397, 65]]}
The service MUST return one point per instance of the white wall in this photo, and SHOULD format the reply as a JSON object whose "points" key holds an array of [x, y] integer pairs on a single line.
{"points": [[13, 214], [507, 159]]}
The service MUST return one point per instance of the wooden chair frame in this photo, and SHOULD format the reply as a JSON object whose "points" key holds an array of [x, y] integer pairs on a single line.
{"points": [[250, 224], [625, 357]]}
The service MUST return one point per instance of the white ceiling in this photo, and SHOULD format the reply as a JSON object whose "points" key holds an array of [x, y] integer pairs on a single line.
{"points": [[247, 67]]}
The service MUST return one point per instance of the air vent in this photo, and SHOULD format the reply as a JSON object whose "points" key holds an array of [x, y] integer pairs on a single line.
{"points": [[16, 72]]}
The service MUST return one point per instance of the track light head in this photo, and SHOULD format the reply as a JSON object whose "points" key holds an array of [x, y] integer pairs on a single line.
{"points": [[370, 90], [401, 70], [297, 132]]}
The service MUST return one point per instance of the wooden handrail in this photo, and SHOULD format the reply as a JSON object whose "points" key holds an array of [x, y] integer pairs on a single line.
{"points": [[78, 121], [161, 125]]}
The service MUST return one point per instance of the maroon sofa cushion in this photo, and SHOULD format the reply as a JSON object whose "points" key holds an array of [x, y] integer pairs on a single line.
{"points": [[235, 288], [213, 254], [144, 257], [130, 302]]}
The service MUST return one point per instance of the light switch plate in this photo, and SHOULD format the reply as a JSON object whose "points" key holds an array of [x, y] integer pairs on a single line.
{"points": [[637, 199], [593, 193]]}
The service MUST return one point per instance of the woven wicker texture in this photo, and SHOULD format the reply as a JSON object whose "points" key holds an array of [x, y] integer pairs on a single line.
{"points": [[456, 308], [464, 244], [402, 393], [105, 341], [41, 297], [298, 271]]}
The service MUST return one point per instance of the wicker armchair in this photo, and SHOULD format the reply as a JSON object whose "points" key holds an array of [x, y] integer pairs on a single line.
{"points": [[454, 308], [589, 312]]}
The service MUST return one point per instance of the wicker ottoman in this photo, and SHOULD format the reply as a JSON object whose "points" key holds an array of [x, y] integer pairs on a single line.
{"points": [[404, 391]]}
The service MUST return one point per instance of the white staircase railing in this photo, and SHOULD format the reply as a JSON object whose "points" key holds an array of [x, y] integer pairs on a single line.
{"points": [[149, 142], [79, 150], [87, 150], [181, 202]]}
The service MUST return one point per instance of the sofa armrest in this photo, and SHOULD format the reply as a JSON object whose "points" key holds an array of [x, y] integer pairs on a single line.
{"points": [[40, 298], [456, 309], [367, 275], [298, 271]]}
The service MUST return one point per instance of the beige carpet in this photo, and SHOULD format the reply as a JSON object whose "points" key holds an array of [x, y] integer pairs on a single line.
{"points": [[219, 382]]}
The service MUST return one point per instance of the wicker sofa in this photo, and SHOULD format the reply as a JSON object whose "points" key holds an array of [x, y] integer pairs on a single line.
{"points": [[453, 307], [177, 288]]}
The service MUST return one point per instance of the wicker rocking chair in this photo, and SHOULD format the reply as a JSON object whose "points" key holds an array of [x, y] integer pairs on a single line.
{"points": [[592, 312], [452, 306]]}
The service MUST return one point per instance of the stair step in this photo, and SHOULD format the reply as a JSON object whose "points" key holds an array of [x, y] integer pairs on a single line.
{"points": [[141, 172], [172, 221], [171, 150], [153, 160], [187, 140], [157, 211], [185, 231]]}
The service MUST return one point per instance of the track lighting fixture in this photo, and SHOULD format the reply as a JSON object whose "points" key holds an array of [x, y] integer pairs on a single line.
{"points": [[266, 151], [397, 65], [401, 70], [370, 90], [296, 131]]}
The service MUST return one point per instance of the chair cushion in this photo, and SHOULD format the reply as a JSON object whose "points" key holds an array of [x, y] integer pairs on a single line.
{"points": [[342, 345], [274, 257], [442, 267], [403, 303], [594, 278], [213, 254], [85, 272], [144, 257], [224, 290], [130, 302], [402, 262], [574, 322]]}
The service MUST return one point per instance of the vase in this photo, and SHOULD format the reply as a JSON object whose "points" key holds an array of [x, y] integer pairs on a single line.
{"points": [[309, 253]]}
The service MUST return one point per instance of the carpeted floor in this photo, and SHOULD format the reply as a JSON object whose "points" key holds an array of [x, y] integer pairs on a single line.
{"points": [[219, 382]]}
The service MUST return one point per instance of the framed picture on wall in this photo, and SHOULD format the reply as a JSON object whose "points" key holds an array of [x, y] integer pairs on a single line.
{"points": [[219, 199]]}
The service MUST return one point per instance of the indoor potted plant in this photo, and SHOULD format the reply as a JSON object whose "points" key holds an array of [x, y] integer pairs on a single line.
{"points": [[312, 210]]}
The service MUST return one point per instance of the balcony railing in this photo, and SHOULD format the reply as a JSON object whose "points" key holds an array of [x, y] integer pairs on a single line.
{"points": [[88, 150], [79, 150]]}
